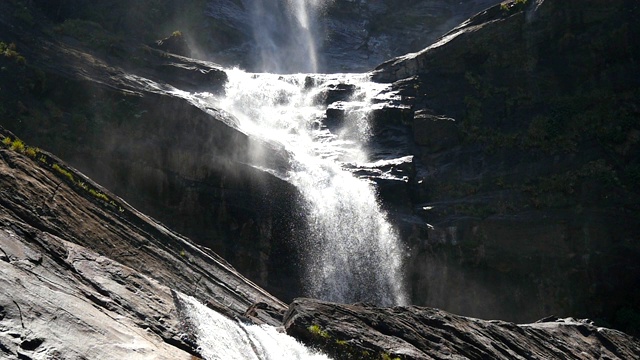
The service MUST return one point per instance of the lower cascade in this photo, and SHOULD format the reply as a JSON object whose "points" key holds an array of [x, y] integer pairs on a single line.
{"points": [[220, 338], [351, 252]]}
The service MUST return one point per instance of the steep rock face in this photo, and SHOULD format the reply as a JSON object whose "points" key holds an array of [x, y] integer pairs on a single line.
{"points": [[362, 331], [350, 35], [526, 158], [86, 275], [127, 122]]}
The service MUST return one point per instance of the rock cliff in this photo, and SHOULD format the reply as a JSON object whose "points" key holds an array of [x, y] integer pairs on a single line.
{"points": [[353, 36], [526, 149], [85, 275], [517, 133], [117, 114]]}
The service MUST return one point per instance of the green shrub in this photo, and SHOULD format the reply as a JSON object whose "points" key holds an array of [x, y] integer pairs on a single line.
{"points": [[83, 185], [385, 356], [98, 195], [513, 5], [317, 330], [9, 51], [23, 13], [32, 152], [63, 172], [17, 145], [7, 141]]}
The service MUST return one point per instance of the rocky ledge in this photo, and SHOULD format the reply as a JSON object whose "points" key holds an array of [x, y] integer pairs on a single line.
{"points": [[363, 331], [85, 275]]}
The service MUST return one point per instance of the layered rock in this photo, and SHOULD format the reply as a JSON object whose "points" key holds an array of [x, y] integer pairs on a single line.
{"points": [[128, 122], [510, 210], [362, 331], [350, 36], [526, 144], [84, 274]]}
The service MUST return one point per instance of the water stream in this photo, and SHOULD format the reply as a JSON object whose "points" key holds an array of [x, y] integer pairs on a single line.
{"points": [[220, 338], [285, 32], [351, 252]]}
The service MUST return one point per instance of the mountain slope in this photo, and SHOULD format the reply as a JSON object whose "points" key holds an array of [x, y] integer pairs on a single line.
{"points": [[84, 273]]}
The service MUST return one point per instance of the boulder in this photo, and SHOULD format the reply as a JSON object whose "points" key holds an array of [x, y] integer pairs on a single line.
{"points": [[175, 44]]}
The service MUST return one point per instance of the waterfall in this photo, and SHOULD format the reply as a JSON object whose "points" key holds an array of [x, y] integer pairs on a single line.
{"points": [[285, 32], [351, 252], [220, 338]]}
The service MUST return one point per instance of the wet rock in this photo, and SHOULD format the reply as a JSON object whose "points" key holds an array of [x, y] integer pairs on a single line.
{"points": [[86, 275], [335, 92], [355, 36], [511, 182], [132, 125], [409, 332], [335, 115]]}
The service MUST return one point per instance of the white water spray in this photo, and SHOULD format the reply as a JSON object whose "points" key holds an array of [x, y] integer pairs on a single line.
{"points": [[285, 32], [352, 252], [220, 338]]}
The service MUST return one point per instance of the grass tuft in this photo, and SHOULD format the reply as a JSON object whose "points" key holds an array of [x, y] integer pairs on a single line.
{"points": [[63, 172], [17, 145]]}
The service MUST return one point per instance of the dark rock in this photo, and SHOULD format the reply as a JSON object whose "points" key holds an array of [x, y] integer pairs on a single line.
{"points": [[367, 332], [105, 271], [175, 44], [355, 36], [435, 132], [532, 180], [390, 114], [126, 124], [335, 92]]}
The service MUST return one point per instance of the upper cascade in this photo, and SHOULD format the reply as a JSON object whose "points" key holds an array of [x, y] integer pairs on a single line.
{"points": [[350, 251], [286, 33]]}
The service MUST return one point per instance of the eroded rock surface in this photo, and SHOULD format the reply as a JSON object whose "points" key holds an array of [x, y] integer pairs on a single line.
{"points": [[362, 331], [130, 123], [86, 275], [525, 143]]}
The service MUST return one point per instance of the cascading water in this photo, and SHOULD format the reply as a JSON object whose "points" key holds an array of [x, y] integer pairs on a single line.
{"points": [[285, 32], [220, 338], [351, 253]]}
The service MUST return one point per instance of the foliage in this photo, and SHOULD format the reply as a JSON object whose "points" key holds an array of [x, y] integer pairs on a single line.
{"points": [[17, 145], [23, 13], [98, 195], [6, 141], [385, 356], [66, 173], [32, 152], [317, 331], [176, 33], [554, 190], [9, 51], [514, 5]]}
